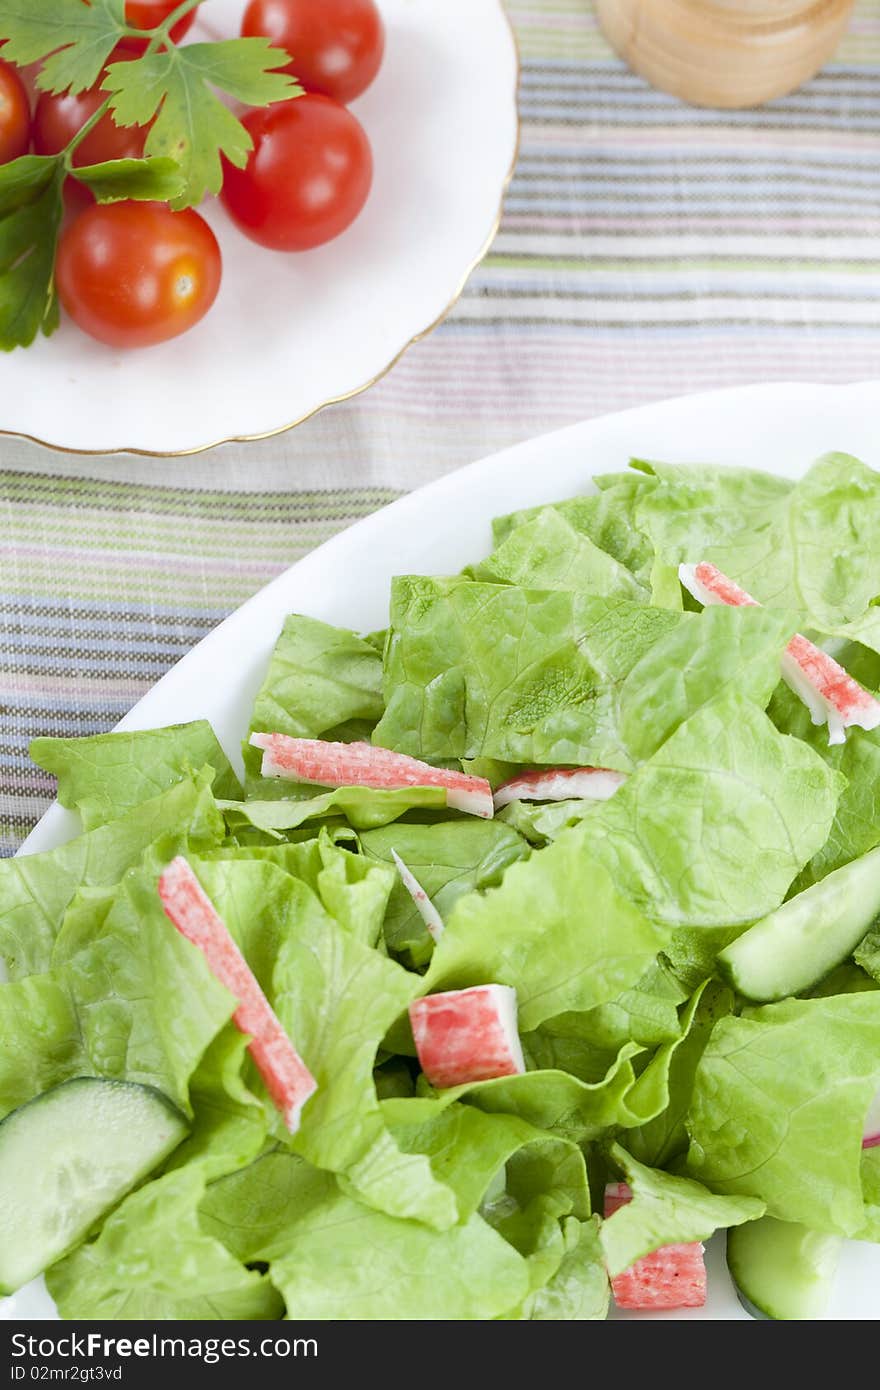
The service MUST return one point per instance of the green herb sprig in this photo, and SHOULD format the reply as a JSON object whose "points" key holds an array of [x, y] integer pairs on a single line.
{"points": [[175, 89]]}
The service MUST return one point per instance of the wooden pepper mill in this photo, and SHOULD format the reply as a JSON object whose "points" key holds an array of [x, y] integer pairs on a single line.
{"points": [[725, 53]]}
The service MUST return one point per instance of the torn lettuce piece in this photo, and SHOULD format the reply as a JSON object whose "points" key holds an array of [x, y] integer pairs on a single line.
{"points": [[781, 542], [105, 775], [520, 675], [646, 1013], [146, 1002], [449, 859], [556, 929], [468, 1148], [363, 807], [314, 1236], [153, 1261], [770, 1089], [867, 954], [607, 517], [335, 998], [36, 889], [578, 1291], [561, 1104], [856, 825], [726, 790], [40, 1041], [525, 676], [229, 1126], [664, 1138], [354, 889], [665, 1210], [322, 681], [547, 552]]}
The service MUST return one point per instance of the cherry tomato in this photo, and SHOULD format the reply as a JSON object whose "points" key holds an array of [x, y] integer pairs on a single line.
{"points": [[148, 14], [133, 274], [57, 118], [15, 115], [307, 177], [336, 46]]}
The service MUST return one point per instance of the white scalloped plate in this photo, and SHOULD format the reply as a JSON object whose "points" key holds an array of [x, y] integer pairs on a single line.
{"points": [[440, 528], [292, 333]]}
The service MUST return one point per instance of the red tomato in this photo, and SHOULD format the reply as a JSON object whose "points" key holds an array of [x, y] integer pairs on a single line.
{"points": [[148, 14], [15, 115], [307, 177], [133, 274], [336, 46], [57, 118]]}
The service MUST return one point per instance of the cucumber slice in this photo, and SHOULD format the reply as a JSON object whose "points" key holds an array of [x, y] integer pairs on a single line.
{"points": [[783, 1270], [796, 946], [69, 1155]]}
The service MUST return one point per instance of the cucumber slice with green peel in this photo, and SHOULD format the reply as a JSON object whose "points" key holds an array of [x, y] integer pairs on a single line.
{"points": [[798, 944], [68, 1156], [782, 1270]]}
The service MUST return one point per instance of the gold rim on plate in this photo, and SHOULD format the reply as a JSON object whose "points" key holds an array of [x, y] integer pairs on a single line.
{"points": [[357, 390]]}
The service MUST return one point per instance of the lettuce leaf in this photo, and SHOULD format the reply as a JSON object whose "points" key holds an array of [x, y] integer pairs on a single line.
{"points": [[665, 1210], [856, 825], [153, 1261], [529, 676], [354, 889], [316, 1238], [726, 790], [363, 807], [867, 954], [522, 675], [229, 1125], [449, 859], [336, 998], [322, 682], [780, 542], [664, 1138], [556, 929], [146, 1002], [578, 1291], [607, 517], [779, 1102], [105, 775], [546, 552], [40, 1042], [467, 1148], [36, 889], [559, 1103]]}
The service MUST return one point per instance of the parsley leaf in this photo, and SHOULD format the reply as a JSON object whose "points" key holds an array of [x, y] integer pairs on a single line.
{"points": [[157, 179], [30, 216], [77, 35], [192, 125]]}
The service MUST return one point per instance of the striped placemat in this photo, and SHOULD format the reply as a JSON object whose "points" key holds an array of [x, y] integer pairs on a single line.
{"points": [[648, 249]]}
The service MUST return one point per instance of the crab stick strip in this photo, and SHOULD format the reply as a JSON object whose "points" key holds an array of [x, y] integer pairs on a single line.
{"points": [[467, 1035], [187, 905], [560, 784], [829, 693], [426, 909], [365, 765]]}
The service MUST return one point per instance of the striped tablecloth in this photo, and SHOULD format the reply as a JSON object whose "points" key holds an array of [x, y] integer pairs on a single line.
{"points": [[648, 249]]}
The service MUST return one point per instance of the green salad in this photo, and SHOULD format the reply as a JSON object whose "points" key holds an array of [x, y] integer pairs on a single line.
{"points": [[539, 943]]}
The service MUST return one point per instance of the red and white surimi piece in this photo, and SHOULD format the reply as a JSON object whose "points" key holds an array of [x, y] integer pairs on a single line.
{"points": [[365, 765], [426, 909], [828, 691], [871, 1131], [467, 1035], [672, 1277], [560, 784], [187, 905]]}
